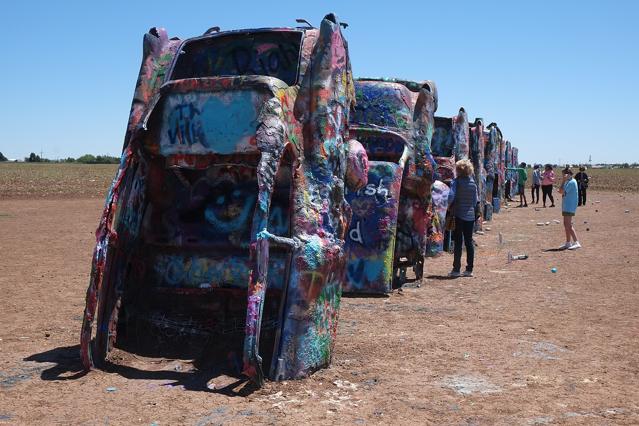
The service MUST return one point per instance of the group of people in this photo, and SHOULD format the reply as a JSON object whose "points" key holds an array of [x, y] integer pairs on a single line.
{"points": [[464, 206], [546, 180]]}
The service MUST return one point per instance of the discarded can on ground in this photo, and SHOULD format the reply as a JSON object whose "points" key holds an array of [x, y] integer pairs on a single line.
{"points": [[512, 257]]}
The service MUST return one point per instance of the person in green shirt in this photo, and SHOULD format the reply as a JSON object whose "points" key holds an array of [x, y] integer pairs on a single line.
{"points": [[521, 183], [522, 177]]}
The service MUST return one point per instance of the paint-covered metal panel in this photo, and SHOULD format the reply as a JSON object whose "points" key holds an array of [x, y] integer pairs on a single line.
{"points": [[502, 166], [491, 165], [443, 148], [370, 242], [450, 143], [477, 144], [437, 226], [461, 135], [511, 175]]}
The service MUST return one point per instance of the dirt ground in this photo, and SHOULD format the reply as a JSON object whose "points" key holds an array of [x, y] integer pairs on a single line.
{"points": [[516, 344]]}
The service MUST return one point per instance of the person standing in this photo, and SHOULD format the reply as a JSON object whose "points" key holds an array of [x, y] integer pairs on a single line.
{"points": [[547, 181], [582, 185], [536, 183], [464, 203], [569, 193], [507, 188], [521, 185]]}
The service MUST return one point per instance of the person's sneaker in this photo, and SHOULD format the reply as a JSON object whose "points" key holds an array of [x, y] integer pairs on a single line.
{"points": [[566, 245], [574, 246], [454, 274], [467, 273]]}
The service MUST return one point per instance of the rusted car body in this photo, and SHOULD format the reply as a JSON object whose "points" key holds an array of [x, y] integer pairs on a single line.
{"points": [[393, 120], [225, 223]]}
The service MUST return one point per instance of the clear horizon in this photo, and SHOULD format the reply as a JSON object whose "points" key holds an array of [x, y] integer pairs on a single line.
{"points": [[559, 79]]}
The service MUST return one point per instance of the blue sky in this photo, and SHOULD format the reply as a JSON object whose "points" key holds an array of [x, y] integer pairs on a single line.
{"points": [[561, 78]]}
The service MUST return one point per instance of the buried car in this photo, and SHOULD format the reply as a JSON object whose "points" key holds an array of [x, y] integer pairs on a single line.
{"points": [[450, 143], [491, 164], [393, 120], [224, 226], [477, 157]]}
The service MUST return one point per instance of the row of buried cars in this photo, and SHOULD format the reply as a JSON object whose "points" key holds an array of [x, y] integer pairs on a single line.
{"points": [[258, 182]]}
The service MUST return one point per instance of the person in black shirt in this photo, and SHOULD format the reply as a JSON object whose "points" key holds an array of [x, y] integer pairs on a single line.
{"points": [[582, 185]]}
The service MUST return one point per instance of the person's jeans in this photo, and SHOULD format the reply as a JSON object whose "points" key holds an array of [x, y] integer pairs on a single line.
{"points": [[547, 191], [535, 191], [581, 196], [463, 230]]}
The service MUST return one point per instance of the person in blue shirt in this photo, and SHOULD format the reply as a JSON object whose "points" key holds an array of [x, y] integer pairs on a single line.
{"points": [[463, 201], [569, 192]]}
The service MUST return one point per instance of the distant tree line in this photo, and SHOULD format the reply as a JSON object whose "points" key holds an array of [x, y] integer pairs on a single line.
{"points": [[85, 159]]}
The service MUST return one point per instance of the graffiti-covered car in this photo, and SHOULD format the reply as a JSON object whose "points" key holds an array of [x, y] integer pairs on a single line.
{"points": [[226, 220], [477, 157], [393, 120], [450, 143], [494, 178]]}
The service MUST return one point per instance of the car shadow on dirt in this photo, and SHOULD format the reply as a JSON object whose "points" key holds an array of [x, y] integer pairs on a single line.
{"points": [[192, 380], [68, 366], [66, 360]]}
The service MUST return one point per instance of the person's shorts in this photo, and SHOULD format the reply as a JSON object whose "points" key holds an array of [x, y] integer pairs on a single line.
{"points": [[520, 189], [567, 214]]}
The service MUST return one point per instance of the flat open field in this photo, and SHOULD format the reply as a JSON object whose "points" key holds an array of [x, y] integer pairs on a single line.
{"points": [[616, 180], [516, 344], [613, 180], [50, 180]]}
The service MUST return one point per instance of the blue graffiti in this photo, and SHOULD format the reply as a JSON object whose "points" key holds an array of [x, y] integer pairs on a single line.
{"points": [[278, 222], [201, 272], [362, 271], [230, 212], [185, 127]]}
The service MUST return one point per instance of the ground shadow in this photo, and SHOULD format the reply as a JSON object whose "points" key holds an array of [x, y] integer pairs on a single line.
{"points": [[365, 295], [554, 249], [68, 366], [67, 363], [197, 380], [441, 277]]}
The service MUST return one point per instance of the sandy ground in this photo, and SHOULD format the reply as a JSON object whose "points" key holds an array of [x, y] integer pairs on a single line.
{"points": [[516, 344]]}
